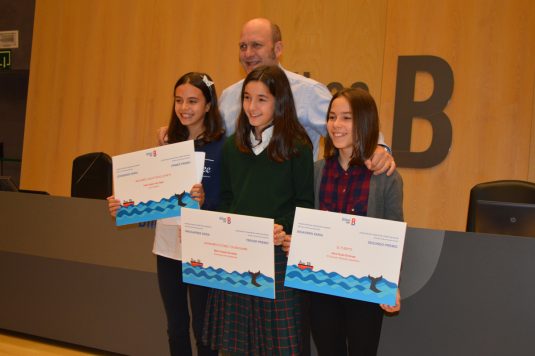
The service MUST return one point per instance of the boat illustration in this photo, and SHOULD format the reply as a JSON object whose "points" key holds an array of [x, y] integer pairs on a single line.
{"points": [[303, 266], [196, 263], [128, 202]]}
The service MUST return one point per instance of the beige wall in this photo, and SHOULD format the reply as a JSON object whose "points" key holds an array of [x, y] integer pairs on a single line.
{"points": [[102, 74], [490, 47]]}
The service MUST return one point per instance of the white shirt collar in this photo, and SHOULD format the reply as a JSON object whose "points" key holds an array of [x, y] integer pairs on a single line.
{"points": [[259, 146]]}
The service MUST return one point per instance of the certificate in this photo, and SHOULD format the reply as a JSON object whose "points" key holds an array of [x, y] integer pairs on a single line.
{"points": [[346, 255], [154, 183], [199, 171], [229, 252]]}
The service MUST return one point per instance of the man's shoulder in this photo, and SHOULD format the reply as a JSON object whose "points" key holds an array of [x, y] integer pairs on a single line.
{"points": [[303, 87], [295, 78], [233, 88]]}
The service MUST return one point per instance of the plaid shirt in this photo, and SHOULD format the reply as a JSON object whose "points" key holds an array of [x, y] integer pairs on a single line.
{"points": [[344, 191]]}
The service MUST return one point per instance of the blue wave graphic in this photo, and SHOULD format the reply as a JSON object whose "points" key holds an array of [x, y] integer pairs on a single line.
{"points": [[230, 281], [348, 287], [151, 210]]}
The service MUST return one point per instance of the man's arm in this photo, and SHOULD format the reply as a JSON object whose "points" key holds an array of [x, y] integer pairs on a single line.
{"points": [[317, 103]]}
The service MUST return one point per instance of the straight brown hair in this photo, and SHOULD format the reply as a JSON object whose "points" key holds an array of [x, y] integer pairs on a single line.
{"points": [[365, 125]]}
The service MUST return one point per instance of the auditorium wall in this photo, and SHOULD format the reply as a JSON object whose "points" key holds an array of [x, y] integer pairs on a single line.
{"points": [[102, 73]]}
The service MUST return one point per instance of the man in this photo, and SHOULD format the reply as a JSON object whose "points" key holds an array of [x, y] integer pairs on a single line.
{"points": [[261, 44]]}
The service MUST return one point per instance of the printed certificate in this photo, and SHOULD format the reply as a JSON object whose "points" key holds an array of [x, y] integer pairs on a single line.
{"points": [[229, 252], [154, 183], [345, 255]]}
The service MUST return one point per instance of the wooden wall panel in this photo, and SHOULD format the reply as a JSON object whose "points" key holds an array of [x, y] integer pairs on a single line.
{"points": [[103, 72], [531, 174], [336, 41], [491, 49]]}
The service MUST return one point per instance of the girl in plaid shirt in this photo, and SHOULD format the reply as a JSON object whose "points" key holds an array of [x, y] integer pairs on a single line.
{"points": [[343, 184]]}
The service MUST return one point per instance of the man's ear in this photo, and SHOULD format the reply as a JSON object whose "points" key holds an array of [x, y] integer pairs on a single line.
{"points": [[277, 48]]}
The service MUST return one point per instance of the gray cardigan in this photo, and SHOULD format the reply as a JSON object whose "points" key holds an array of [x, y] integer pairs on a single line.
{"points": [[385, 200]]}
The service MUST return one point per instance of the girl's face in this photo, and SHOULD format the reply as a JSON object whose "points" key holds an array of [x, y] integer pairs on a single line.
{"points": [[190, 107], [259, 105], [340, 125]]}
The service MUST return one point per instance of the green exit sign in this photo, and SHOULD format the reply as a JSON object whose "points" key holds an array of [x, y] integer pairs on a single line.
{"points": [[5, 59]]}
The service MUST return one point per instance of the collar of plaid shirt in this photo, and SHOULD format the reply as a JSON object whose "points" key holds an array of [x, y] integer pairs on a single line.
{"points": [[344, 191]]}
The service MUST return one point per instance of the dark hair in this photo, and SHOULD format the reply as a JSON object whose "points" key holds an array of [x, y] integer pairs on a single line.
{"points": [[276, 34], [287, 131], [365, 125], [213, 123]]}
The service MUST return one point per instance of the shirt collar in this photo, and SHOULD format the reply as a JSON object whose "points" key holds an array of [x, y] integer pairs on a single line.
{"points": [[260, 145], [336, 169]]}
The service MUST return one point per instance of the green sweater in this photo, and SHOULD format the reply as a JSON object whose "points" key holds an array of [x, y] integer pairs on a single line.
{"points": [[257, 186]]}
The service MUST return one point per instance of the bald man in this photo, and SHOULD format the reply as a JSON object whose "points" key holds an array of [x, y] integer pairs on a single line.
{"points": [[261, 44]]}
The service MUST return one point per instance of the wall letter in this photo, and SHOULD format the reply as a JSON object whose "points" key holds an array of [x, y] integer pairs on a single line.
{"points": [[405, 109]]}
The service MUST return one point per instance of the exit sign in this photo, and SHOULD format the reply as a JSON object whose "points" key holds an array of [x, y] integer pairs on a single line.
{"points": [[5, 59]]}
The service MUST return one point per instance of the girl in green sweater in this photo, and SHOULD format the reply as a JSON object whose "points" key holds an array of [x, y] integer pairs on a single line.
{"points": [[267, 171]]}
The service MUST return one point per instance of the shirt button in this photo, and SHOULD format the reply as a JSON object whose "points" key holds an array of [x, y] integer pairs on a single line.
{"points": [[344, 190], [353, 209]]}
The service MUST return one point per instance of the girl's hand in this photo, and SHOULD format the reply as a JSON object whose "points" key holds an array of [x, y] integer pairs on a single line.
{"points": [[278, 234], [395, 308], [113, 205], [197, 193], [286, 244], [162, 135]]}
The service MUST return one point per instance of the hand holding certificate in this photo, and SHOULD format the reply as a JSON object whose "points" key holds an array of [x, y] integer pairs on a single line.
{"points": [[345, 255], [154, 183]]}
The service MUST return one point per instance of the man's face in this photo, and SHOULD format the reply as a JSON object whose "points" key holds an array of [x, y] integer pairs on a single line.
{"points": [[257, 47]]}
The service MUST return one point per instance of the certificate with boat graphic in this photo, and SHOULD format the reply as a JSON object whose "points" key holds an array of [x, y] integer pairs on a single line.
{"points": [[229, 252], [346, 255], [154, 183]]}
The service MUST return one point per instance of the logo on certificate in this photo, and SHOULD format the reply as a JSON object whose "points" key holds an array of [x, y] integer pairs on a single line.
{"points": [[225, 220], [349, 220], [151, 153]]}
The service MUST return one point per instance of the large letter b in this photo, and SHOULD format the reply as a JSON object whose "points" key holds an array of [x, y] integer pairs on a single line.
{"points": [[432, 110]]}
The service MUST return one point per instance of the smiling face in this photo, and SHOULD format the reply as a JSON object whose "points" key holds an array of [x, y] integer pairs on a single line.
{"points": [[340, 126], [258, 105], [256, 45], [190, 107]]}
